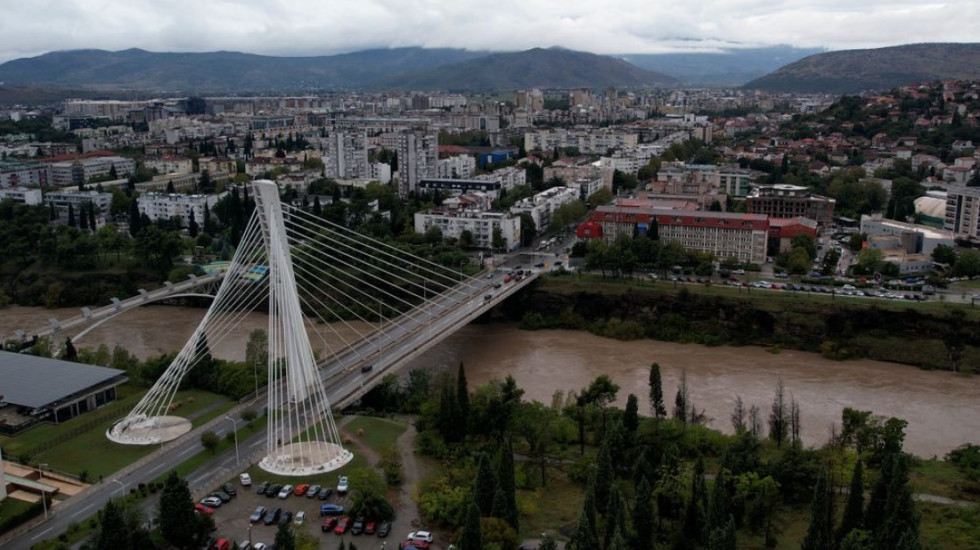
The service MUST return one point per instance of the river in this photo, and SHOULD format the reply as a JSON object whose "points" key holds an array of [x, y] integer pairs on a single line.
{"points": [[942, 409]]}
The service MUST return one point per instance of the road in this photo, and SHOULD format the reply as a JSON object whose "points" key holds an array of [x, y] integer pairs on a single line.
{"points": [[401, 342]]}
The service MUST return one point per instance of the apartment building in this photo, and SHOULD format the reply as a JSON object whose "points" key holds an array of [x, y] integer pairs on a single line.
{"points": [[82, 171], [963, 211], [541, 206], [790, 201], [26, 174], [592, 142], [74, 197], [347, 154], [418, 156], [165, 206], [480, 223], [459, 166], [24, 195], [169, 165]]}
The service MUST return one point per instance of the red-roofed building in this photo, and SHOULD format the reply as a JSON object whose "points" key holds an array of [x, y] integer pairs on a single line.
{"points": [[783, 230]]}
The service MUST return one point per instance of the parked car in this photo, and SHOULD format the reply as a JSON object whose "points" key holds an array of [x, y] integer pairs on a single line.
{"points": [[211, 501], [260, 490], [358, 527], [325, 493], [225, 497], [202, 509], [370, 527], [301, 489], [299, 518], [245, 479], [273, 517], [342, 485], [342, 525], [258, 515], [420, 535], [384, 529], [230, 489], [312, 492], [245, 545], [331, 509], [285, 491], [222, 544], [259, 546], [273, 490], [329, 523], [287, 516]]}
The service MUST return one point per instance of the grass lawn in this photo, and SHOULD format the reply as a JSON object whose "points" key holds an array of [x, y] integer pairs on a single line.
{"points": [[376, 433], [10, 507], [550, 508], [937, 477], [949, 527]]}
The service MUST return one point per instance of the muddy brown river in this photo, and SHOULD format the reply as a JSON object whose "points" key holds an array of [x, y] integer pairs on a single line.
{"points": [[942, 409]]}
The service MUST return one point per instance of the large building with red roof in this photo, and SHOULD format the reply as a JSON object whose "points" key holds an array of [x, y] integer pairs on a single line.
{"points": [[724, 234]]}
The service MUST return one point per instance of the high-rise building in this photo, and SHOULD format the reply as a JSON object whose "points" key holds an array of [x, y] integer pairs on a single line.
{"points": [[347, 154], [963, 211], [418, 157], [790, 201]]}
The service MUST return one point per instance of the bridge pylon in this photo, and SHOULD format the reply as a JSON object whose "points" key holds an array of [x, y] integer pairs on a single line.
{"points": [[301, 438]]}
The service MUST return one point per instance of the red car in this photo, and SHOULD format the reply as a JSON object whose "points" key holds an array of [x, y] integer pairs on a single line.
{"points": [[342, 525], [301, 489], [202, 509], [369, 527], [328, 524], [418, 544]]}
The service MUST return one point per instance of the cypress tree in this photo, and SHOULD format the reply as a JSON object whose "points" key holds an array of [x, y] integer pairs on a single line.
{"points": [[585, 537], [176, 512], [71, 215], [643, 515], [134, 217], [618, 542], [471, 537], [285, 538], [192, 228], [483, 486], [462, 397], [657, 392], [71, 354], [680, 400], [208, 224], [819, 534], [91, 216], [112, 534], [719, 507], [604, 477], [317, 207], [499, 508], [82, 216], [613, 520], [874, 514], [723, 537], [53, 213], [694, 515], [507, 484], [853, 510], [631, 416], [900, 526]]}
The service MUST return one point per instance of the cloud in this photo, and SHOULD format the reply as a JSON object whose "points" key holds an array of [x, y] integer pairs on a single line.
{"points": [[310, 27]]}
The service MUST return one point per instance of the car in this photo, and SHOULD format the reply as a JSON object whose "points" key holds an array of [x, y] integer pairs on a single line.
{"points": [[342, 485], [370, 527], [367, 368], [258, 515], [285, 491], [225, 497], [314, 489], [358, 527], [415, 544], [245, 545], [299, 518], [202, 509], [539, 265], [301, 489], [260, 490], [222, 544], [286, 517], [487, 297], [384, 529], [497, 285], [245, 480], [230, 489], [273, 517], [325, 493], [331, 509], [329, 523], [342, 525], [209, 543], [273, 490], [211, 502], [489, 275], [260, 546], [420, 535]]}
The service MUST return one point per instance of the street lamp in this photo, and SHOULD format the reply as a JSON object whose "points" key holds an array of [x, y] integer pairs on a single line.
{"points": [[122, 486], [234, 428], [44, 497]]}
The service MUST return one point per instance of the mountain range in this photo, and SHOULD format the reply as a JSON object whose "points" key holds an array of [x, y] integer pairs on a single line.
{"points": [[851, 71]]}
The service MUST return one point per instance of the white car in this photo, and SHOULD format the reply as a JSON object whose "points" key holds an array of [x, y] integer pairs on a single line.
{"points": [[259, 546], [420, 535], [211, 502], [285, 491], [245, 479], [342, 485], [300, 518]]}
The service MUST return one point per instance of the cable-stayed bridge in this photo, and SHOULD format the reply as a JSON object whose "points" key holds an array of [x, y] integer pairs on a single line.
{"points": [[311, 277]]}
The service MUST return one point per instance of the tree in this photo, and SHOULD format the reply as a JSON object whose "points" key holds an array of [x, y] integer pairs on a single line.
{"points": [[91, 216], [210, 441], [483, 486], [529, 229], [944, 254], [548, 542], [498, 242], [462, 397], [778, 425], [967, 263], [471, 537], [112, 533], [71, 354], [285, 538], [465, 239], [604, 477], [631, 417], [369, 498], [694, 515], [656, 392], [738, 415], [853, 510], [723, 538], [205, 185], [819, 535], [507, 483], [179, 524], [170, 187], [71, 215], [585, 536], [681, 406], [643, 515], [192, 228]]}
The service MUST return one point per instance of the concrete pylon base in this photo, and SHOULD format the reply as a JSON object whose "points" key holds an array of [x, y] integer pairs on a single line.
{"points": [[301, 459], [148, 430]]}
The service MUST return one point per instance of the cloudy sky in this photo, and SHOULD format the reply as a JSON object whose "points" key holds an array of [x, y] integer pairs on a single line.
{"points": [[322, 27]]}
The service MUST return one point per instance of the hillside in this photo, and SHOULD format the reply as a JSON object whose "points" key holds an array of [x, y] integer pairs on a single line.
{"points": [[535, 68], [733, 67], [136, 69], [852, 71]]}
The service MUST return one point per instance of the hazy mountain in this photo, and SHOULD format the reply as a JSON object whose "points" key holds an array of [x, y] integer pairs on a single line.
{"points": [[730, 68], [851, 71], [535, 68], [136, 69]]}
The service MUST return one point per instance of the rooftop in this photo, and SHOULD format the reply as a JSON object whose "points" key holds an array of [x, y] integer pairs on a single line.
{"points": [[31, 381]]}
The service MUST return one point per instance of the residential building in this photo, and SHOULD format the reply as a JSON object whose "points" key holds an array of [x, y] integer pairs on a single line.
{"points": [[165, 206], [963, 211], [723, 234], [380, 171], [790, 201], [82, 171], [542, 205], [591, 142], [74, 197], [347, 154], [459, 166], [23, 174], [418, 155], [170, 165], [454, 187], [480, 223], [21, 194]]}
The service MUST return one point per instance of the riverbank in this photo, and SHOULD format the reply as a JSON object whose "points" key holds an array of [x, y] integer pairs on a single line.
{"points": [[928, 335]]}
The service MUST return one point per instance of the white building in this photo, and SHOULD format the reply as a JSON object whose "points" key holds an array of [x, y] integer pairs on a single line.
{"points": [[347, 154], [74, 197], [480, 223], [380, 172], [21, 194], [593, 141], [170, 165], [508, 177], [418, 156], [541, 206], [28, 174], [82, 171], [459, 166], [165, 206], [963, 211]]}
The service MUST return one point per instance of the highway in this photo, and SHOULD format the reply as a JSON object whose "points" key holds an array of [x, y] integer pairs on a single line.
{"points": [[401, 342]]}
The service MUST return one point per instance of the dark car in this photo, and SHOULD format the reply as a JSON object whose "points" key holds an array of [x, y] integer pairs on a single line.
{"points": [[258, 514], [358, 527], [229, 488], [273, 490], [260, 490], [312, 492], [225, 497], [367, 368], [286, 517], [273, 517], [384, 529], [325, 493], [331, 509]]}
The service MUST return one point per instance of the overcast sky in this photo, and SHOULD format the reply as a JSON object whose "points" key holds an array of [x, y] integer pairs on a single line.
{"points": [[324, 27]]}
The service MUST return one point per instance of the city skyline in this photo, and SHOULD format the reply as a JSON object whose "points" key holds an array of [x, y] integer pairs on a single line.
{"points": [[303, 28]]}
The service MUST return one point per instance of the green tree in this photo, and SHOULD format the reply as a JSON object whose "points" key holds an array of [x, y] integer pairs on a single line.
{"points": [[656, 392], [462, 397], [723, 538], [498, 242], [778, 416], [853, 509], [900, 528], [210, 441], [465, 239], [369, 498], [71, 216], [819, 535], [631, 416], [967, 263], [944, 254], [112, 534], [285, 538], [643, 515], [179, 524], [471, 536], [529, 229], [694, 516], [681, 405], [585, 536], [483, 486], [507, 483]]}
